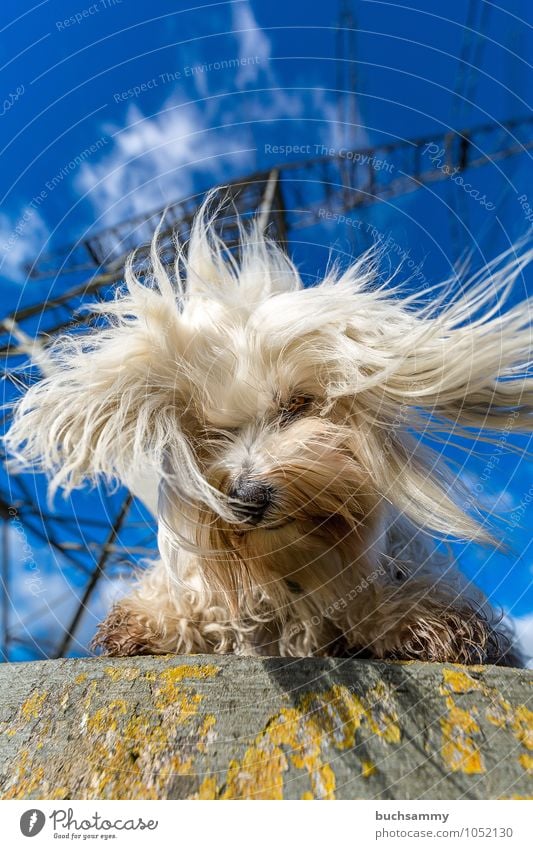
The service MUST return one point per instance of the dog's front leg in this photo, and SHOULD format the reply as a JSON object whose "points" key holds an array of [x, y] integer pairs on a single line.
{"points": [[161, 617], [428, 622]]}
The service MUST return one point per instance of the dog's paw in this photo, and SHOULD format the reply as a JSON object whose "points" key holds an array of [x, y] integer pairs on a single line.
{"points": [[123, 634], [454, 636]]}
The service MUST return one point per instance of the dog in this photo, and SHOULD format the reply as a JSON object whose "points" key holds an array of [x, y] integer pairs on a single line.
{"points": [[275, 429]]}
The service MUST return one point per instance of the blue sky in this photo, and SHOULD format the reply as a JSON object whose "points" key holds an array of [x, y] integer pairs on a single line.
{"points": [[141, 86]]}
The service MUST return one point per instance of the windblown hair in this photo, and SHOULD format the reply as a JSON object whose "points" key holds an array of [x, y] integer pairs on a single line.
{"points": [[226, 369]]}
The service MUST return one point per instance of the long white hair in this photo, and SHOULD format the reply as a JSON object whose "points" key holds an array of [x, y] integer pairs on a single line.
{"points": [[454, 362]]}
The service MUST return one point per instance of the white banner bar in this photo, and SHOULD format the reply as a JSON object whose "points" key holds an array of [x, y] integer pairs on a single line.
{"points": [[357, 824]]}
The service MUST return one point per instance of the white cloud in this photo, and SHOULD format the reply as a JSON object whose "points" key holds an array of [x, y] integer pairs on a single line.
{"points": [[108, 591], [251, 43], [315, 103], [523, 626], [277, 102], [153, 160], [43, 597], [40, 596], [22, 238], [488, 494], [334, 134]]}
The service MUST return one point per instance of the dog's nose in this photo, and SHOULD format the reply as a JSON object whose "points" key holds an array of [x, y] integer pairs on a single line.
{"points": [[249, 499]]}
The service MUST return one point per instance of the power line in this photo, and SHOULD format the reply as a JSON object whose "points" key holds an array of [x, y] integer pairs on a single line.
{"points": [[70, 630], [346, 54], [348, 179]]}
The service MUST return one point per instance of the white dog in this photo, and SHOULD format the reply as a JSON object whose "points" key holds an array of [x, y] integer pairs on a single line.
{"points": [[278, 423]]}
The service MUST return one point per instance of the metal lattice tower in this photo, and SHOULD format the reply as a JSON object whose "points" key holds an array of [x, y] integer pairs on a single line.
{"points": [[289, 197], [346, 36]]}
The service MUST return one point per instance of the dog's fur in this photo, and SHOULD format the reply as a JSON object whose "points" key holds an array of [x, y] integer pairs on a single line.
{"points": [[229, 370]]}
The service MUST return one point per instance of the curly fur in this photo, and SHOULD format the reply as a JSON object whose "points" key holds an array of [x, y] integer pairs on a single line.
{"points": [[229, 368]]}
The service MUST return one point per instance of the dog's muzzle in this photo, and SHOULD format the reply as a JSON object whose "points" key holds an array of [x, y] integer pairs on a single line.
{"points": [[250, 499]]}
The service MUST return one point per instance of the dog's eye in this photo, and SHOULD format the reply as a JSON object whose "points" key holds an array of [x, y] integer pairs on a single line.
{"points": [[296, 406]]}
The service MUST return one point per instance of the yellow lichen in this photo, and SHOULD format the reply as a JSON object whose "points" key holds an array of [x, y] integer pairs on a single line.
{"points": [[129, 752], [498, 712], [26, 778], [302, 736], [526, 761], [136, 755], [458, 681], [460, 751], [105, 719], [59, 793], [181, 703], [518, 719], [119, 673], [259, 775], [522, 726], [91, 690], [207, 789], [368, 769], [136, 761], [205, 732], [32, 707], [185, 670]]}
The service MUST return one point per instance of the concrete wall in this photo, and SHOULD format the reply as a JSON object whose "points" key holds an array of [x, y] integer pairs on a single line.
{"points": [[242, 728]]}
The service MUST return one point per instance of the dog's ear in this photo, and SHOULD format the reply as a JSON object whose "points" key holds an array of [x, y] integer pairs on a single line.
{"points": [[111, 398], [456, 366], [464, 358]]}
